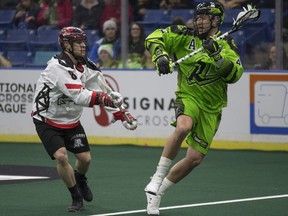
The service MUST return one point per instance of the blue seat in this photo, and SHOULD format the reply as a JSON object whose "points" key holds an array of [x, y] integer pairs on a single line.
{"points": [[16, 39], [12, 45], [41, 58], [6, 18], [154, 17], [19, 58], [2, 34], [186, 14], [157, 15], [92, 36], [20, 34], [45, 40]]}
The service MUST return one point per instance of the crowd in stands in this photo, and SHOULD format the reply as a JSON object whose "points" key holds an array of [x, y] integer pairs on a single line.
{"points": [[104, 16]]}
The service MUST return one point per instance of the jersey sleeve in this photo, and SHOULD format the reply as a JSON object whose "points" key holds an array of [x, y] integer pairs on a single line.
{"points": [[167, 39], [231, 69]]}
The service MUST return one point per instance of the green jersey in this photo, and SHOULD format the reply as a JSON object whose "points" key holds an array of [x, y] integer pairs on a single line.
{"points": [[199, 78]]}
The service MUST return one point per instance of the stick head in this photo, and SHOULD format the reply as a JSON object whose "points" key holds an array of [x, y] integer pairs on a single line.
{"points": [[248, 14]]}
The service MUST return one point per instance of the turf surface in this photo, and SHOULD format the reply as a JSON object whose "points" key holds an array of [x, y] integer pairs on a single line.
{"points": [[119, 174]]}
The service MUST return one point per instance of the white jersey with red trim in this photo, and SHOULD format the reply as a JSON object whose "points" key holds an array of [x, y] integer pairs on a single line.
{"points": [[63, 89]]}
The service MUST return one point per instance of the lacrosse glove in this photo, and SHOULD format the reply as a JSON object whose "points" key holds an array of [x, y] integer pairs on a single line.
{"points": [[113, 100], [212, 48], [128, 121], [163, 62], [116, 99]]}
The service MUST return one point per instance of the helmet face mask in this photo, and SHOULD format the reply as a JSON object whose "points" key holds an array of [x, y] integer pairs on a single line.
{"points": [[210, 8], [75, 37], [208, 12]]}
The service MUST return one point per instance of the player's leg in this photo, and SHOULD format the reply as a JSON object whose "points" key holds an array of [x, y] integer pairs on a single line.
{"points": [[171, 149], [77, 143], [82, 165], [66, 172], [53, 141]]}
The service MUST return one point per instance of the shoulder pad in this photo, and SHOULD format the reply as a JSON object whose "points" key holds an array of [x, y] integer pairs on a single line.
{"points": [[91, 65], [182, 30], [64, 60]]}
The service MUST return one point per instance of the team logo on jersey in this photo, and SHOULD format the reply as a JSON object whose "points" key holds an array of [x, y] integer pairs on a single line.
{"points": [[63, 100]]}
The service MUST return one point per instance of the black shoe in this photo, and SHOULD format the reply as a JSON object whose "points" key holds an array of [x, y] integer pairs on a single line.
{"points": [[83, 187], [77, 204]]}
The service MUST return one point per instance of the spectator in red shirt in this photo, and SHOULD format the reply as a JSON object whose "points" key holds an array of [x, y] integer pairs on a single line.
{"points": [[55, 13], [112, 10]]}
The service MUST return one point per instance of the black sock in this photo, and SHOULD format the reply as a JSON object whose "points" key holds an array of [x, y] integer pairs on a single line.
{"points": [[79, 175], [74, 191]]}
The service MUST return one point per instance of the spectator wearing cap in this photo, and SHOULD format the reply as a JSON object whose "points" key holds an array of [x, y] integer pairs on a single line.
{"points": [[106, 60], [110, 37]]}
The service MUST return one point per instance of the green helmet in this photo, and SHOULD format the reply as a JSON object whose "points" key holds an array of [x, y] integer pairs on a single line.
{"points": [[210, 8]]}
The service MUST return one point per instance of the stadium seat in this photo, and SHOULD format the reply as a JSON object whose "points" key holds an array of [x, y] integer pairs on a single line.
{"points": [[154, 17], [2, 34], [41, 58], [20, 34], [46, 40], [6, 18], [92, 36], [13, 45], [16, 39], [19, 58], [186, 14]]}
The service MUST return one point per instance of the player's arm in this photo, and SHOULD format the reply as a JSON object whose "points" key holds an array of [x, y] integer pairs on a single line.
{"points": [[155, 44], [226, 59]]}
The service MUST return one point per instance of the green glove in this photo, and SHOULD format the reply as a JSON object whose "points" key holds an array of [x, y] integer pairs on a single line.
{"points": [[163, 62], [212, 48]]}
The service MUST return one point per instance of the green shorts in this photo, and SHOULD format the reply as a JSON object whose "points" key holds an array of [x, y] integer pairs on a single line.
{"points": [[205, 124]]}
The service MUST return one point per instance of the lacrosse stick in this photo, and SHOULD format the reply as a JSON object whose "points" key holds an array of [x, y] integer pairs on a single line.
{"points": [[247, 15], [106, 88]]}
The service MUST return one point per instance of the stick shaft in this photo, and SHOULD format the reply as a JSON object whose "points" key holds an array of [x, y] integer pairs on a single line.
{"points": [[198, 50], [106, 88]]}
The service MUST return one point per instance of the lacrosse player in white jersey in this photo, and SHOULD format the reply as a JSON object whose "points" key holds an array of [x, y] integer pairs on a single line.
{"points": [[69, 83]]}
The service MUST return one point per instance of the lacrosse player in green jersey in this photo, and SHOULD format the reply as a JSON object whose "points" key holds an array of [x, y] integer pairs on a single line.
{"points": [[201, 92]]}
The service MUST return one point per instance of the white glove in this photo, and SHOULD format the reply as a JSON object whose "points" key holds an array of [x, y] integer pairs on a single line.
{"points": [[131, 124], [116, 99]]}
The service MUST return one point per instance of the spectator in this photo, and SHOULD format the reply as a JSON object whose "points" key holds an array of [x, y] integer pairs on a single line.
{"points": [[190, 23], [147, 62], [55, 14], [228, 4], [176, 4], [112, 10], [26, 13], [87, 14], [140, 7], [136, 41], [4, 62], [8, 4], [269, 62], [178, 21], [106, 60], [110, 37]]}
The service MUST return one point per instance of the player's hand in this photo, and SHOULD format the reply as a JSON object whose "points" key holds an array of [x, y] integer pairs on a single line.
{"points": [[212, 48], [163, 62], [130, 123], [116, 99]]}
